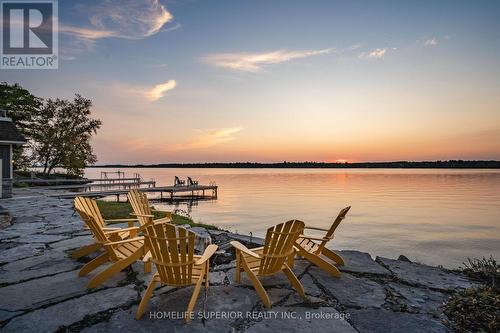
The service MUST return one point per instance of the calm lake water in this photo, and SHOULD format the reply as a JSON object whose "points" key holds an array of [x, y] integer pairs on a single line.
{"points": [[437, 217]]}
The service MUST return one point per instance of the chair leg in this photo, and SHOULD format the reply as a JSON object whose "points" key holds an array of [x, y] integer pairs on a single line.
{"points": [[193, 299], [146, 297], [294, 281], [291, 260], [237, 272], [147, 267], [93, 264], [257, 285], [321, 263], [333, 256], [114, 269], [85, 250], [206, 276]]}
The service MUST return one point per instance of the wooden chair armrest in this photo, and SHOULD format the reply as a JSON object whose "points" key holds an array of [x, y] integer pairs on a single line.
{"points": [[110, 229], [240, 247], [162, 219], [316, 238], [120, 230], [141, 215], [147, 257], [126, 241], [209, 251], [162, 211], [316, 228], [115, 221]]}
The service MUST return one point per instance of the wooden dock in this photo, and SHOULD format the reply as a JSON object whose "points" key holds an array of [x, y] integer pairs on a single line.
{"points": [[76, 181], [85, 187], [165, 192]]}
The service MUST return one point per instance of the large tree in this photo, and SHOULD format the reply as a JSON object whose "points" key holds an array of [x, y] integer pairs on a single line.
{"points": [[61, 135], [22, 107]]}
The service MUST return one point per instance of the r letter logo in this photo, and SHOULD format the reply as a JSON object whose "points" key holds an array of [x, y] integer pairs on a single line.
{"points": [[29, 34]]}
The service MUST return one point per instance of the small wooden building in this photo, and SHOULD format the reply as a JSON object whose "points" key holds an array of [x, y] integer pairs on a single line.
{"points": [[9, 137]]}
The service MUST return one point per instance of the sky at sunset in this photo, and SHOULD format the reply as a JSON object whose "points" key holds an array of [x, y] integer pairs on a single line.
{"points": [[204, 81]]}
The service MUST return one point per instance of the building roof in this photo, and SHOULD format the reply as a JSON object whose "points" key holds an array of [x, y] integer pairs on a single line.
{"points": [[9, 133]]}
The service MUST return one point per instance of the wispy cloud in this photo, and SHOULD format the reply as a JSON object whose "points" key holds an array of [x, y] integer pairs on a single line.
{"points": [[209, 138], [375, 54], [152, 94], [128, 19], [254, 62], [431, 42], [159, 90]]}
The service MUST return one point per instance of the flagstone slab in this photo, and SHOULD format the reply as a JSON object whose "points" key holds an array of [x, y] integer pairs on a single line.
{"points": [[218, 277], [49, 263], [219, 298], [429, 276], [72, 243], [280, 278], [219, 312], [360, 262], [385, 321], [21, 252], [68, 228], [54, 317], [309, 286], [39, 238], [123, 321], [349, 290], [35, 293], [4, 315], [300, 320], [418, 299]]}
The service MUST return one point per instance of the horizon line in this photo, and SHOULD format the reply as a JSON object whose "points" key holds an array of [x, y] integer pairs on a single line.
{"points": [[314, 164]]}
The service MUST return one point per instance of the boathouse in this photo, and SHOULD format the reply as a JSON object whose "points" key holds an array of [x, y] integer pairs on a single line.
{"points": [[9, 137]]}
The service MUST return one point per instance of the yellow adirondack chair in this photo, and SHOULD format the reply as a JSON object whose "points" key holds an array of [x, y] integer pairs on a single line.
{"points": [[121, 253], [312, 248], [172, 251], [142, 209], [91, 209], [270, 259]]}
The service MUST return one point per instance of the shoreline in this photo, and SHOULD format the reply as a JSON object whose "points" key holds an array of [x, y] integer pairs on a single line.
{"points": [[39, 280]]}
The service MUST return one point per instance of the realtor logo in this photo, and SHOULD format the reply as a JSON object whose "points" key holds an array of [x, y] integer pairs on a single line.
{"points": [[29, 34]]}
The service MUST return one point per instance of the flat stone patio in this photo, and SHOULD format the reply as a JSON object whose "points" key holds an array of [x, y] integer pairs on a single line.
{"points": [[40, 290]]}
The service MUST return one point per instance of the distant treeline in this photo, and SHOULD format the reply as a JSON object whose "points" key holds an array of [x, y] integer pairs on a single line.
{"points": [[452, 164]]}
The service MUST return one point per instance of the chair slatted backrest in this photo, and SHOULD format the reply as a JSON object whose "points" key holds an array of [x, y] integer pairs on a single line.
{"points": [[334, 226], [90, 207], [172, 251], [140, 204], [279, 245], [85, 205]]}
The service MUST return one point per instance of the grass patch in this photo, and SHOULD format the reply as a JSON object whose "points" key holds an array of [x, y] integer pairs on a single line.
{"points": [[477, 309], [122, 210]]}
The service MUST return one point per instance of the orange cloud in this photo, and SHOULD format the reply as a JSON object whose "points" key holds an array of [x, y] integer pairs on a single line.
{"points": [[152, 94], [209, 138], [254, 62]]}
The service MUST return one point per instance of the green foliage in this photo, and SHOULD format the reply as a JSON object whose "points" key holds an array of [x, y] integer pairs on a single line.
{"points": [[58, 131], [477, 309], [485, 270], [122, 210], [61, 135], [22, 107]]}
